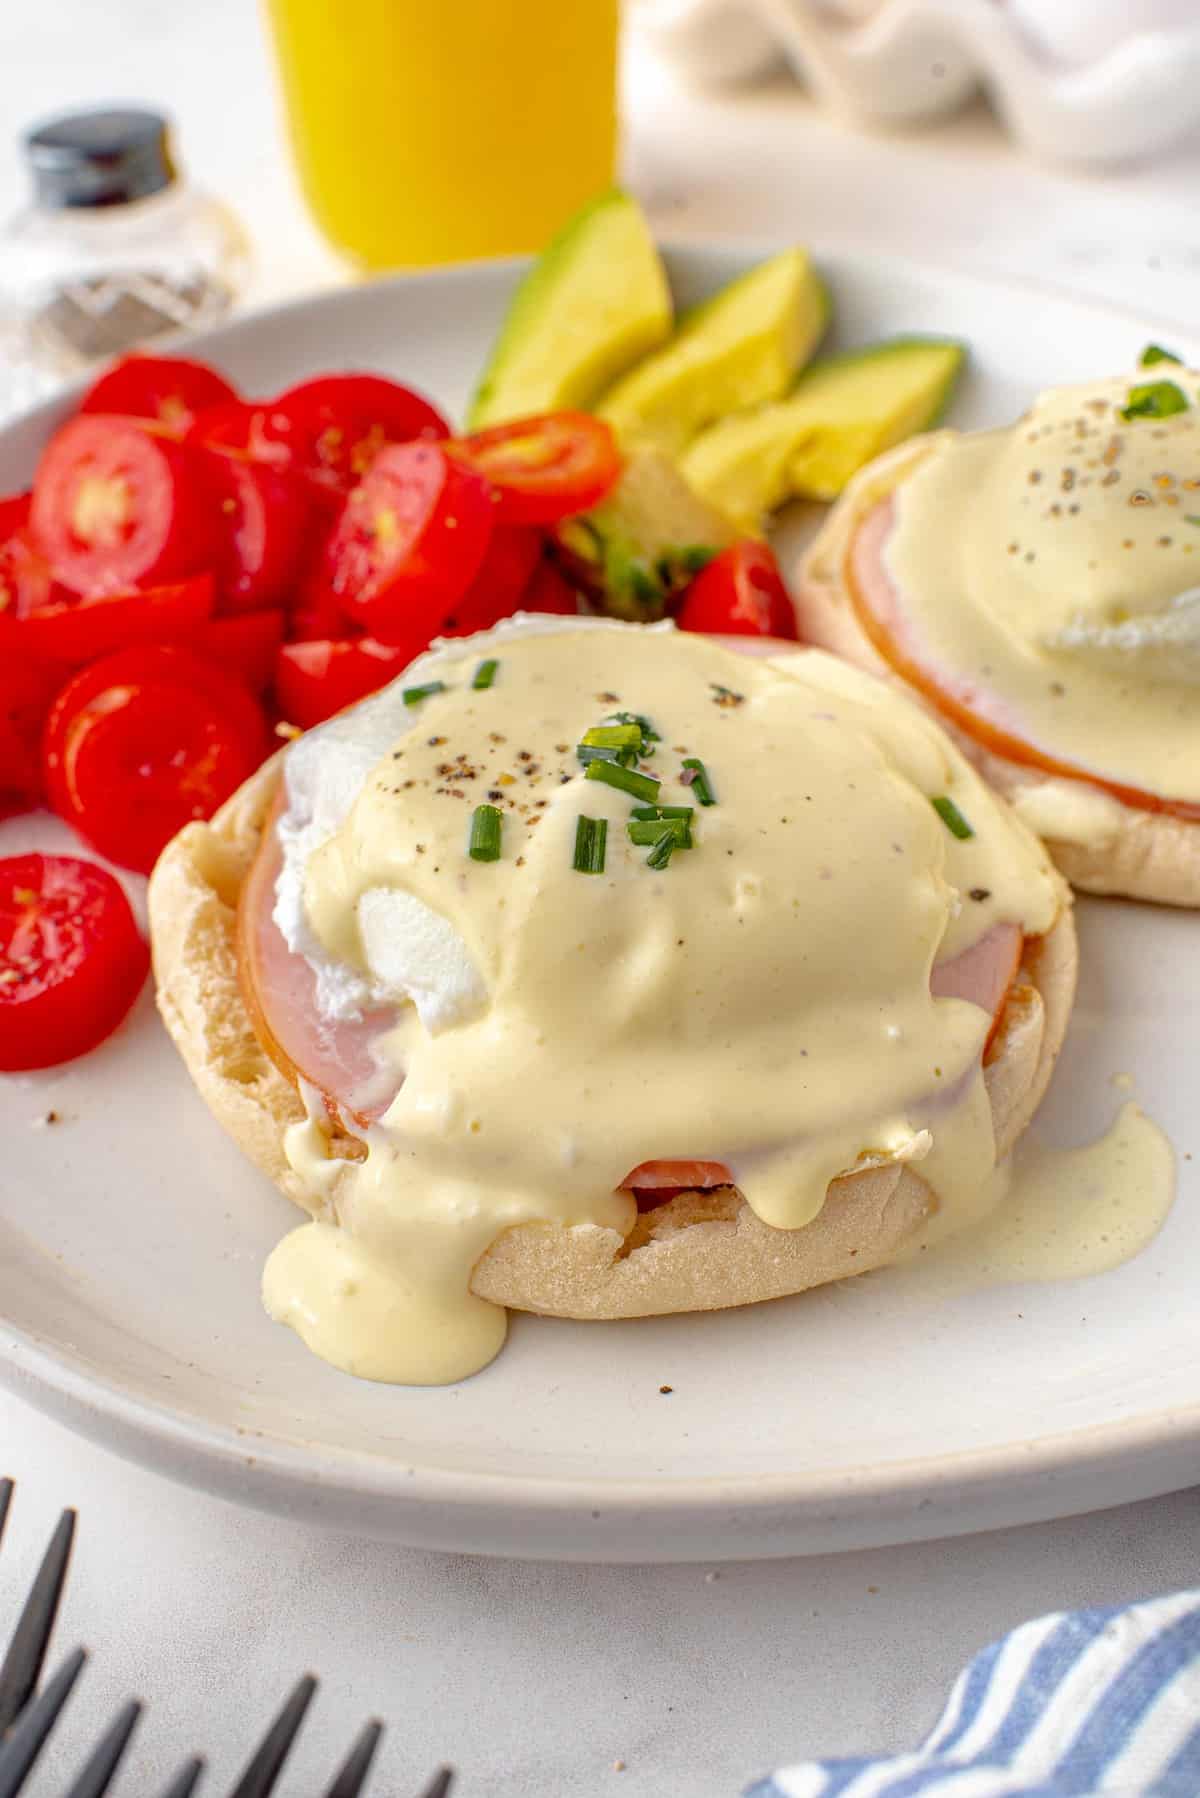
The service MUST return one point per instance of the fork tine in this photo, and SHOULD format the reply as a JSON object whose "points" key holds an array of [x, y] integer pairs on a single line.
{"points": [[440, 1784], [264, 1769], [96, 1774], [22, 1748], [184, 1782], [353, 1776], [27, 1650], [6, 1491]]}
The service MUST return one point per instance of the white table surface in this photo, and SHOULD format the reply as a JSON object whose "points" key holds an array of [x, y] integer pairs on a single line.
{"points": [[536, 1680]]}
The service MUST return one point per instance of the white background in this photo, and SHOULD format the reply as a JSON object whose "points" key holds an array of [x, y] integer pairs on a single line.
{"points": [[535, 1680]]}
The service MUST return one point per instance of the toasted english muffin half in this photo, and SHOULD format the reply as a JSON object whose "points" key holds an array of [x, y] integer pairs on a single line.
{"points": [[1131, 853], [698, 1251]]}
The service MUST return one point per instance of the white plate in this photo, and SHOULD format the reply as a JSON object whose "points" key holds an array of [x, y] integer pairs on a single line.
{"points": [[132, 1232]]}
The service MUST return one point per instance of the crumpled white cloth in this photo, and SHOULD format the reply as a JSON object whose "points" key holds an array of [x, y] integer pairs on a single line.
{"points": [[1073, 1705]]}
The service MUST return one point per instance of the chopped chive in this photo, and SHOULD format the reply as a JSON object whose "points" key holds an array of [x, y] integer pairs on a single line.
{"points": [[662, 851], [952, 818], [1155, 399], [485, 674], [613, 736], [663, 811], [1191, 518], [642, 786], [590, 834], [626, 757], [695, 776], [484, 845], [414, 695], [649, 734], [646, 831], [1154, 352]]}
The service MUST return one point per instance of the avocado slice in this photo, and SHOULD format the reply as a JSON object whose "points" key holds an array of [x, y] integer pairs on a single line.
{"points": [[594, 303], [643, 543], [842, 412], [741, 348]]}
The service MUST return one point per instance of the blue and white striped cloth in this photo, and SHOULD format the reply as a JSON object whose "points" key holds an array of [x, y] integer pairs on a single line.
{"points": [[1072, 1705]]}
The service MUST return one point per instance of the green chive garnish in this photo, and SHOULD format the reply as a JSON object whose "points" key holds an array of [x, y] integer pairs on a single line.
{"points": [[1191, 518], [649, 734], [695, 776], [613, 736], [642, 786], [484, 845], [1154, 352], [626, 757], [590, 834], [952, 818], [662, 851], [650, 830], [485, 674], [414, 695], [663, 811], [1155, 399]]}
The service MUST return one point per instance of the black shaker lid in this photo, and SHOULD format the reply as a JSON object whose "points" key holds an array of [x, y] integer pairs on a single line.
{"points": [[105, 157]]}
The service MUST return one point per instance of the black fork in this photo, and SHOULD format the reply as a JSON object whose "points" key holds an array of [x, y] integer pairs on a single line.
{"points": [[28, 1715]]}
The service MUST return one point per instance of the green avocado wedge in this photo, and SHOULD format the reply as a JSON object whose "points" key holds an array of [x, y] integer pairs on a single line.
{"points": [[842, 413], [641, 545], [741, 348], [594, 303]]}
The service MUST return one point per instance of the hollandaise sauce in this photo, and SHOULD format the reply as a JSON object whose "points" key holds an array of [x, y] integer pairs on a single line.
{"points": [[634, 898]]}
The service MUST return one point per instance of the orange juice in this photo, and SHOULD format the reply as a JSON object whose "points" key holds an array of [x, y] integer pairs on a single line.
{"points": [[435, 130]]}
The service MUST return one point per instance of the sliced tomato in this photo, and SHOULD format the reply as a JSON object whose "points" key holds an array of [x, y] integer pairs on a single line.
{"points": [[546, 468], [27, 689], [142, 743], [740, 593], [513, 554], [410, 542], [72, 960], [264, 519], [337, 424], [169, 389], [14, 514], [26, 580], [315, 680], [245, 646], [250, 428], [879, 611], [550, 591], [117, 503], [73, 631]]}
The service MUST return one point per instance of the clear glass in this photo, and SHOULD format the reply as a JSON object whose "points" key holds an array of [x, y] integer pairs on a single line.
{"points": [[83, 284], [432, 133]]}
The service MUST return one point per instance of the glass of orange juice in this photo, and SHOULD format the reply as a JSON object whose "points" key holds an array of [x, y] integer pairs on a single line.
{"points": [[435, 130]]}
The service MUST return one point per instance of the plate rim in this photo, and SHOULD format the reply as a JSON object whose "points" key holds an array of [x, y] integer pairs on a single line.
{"points": [[480, 1511]]}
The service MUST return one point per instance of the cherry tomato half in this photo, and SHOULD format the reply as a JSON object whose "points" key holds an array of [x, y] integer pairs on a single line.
{"points": [[315, 680], [336, 424], [740, 593], [550, 591], [25, 577], [141, 743], [117, 503], [410, 541], [248, 428], [169, 389], [512, 556], [543, 469], [27, 689], [14, 513], [73, 631], [264, 517], [245, 646], [72, 960]]}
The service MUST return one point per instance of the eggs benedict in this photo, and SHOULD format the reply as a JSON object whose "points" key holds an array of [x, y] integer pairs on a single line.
{"points": [[599, 971], [1039, 588]]}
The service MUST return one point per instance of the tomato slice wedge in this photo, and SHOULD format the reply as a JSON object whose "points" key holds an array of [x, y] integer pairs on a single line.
{"points": [[245, 646], [73, 631], [27, 689], [545, 468], [316, 679], [508, 567], [72, 960], [142, 743], [264, 518], [169, 389], [740, 593], [14, 514], [117, 503], [336, 424], [26, 580], [550, 591], [410, 541]]}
